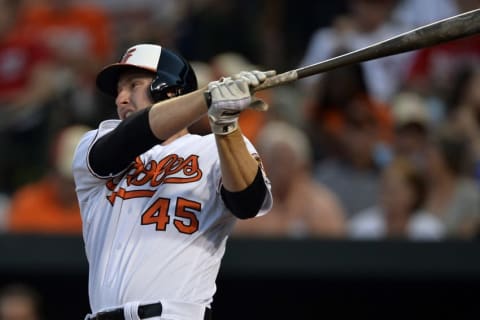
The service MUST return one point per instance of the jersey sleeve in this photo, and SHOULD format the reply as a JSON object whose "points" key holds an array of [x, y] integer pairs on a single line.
{"points": [[85, 179], [268, 201]]}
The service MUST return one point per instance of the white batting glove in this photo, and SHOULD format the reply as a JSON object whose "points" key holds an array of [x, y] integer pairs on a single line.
{"points": [[254, 78], [230, 96]]}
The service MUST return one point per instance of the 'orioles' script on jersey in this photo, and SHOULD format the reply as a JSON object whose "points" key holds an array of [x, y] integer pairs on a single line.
{"points": [[171, 169]]}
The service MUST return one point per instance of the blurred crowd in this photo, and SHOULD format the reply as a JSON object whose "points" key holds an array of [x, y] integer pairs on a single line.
{"points": [[389, 148], [20, 301]]}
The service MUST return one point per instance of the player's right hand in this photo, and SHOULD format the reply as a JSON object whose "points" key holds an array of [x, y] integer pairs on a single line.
{"points": [[227, 97]]}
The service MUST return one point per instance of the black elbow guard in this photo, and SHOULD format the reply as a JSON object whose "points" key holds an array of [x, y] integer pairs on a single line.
{"points": [[246, 204]]}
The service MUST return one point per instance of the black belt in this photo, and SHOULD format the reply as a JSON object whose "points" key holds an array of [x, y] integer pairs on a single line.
{"points": [[144, 311]]}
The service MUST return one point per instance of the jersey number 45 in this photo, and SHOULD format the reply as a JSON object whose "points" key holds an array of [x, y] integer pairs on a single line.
{"points": [[185, 215]]}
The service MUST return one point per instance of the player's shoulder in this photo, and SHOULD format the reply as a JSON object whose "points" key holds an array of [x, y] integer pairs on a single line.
{"points": [[88, 138], [109, 124], [103, 128]]}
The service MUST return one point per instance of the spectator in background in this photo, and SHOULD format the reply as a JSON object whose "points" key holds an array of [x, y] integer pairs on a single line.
{"points": [[302, 207], [353, 173], [365, 23], [416, 13], [464, 111], [324, 110], [20, 302], [433, 70], [77, 32], [50, 204], [399, 211], [80, 35], [452, 196], [351, 133], [27, 90], [412, 122], [147, 21]]}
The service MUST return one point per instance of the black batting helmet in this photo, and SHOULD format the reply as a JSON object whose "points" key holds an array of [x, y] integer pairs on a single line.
{"points": [[173, 74]]}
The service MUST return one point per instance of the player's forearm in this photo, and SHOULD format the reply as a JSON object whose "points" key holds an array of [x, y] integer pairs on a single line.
{"points": [[168, 117], [237, 165]]}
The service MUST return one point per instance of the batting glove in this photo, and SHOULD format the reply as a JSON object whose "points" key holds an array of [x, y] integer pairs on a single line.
{"points": [[229, 96]]}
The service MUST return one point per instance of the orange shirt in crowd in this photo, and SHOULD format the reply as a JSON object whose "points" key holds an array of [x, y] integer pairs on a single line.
{"points": [[83, 29], [333, 119], [36, 208]]}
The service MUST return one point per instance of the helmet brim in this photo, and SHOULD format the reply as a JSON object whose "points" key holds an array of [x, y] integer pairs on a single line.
{"points": [[107, 79]]}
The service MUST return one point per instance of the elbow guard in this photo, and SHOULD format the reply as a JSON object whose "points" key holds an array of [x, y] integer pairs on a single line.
{"points": [[246, 204]]}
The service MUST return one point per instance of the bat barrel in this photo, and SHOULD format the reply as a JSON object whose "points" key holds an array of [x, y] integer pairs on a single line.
{"points": [[456, 27], [449, 29]]}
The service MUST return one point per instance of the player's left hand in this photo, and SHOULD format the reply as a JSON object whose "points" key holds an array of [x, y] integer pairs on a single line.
{"points": [[227, 97], [255, 77]]}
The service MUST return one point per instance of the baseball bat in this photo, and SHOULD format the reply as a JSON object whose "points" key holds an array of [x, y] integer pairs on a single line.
{"points": [[445, 30]]}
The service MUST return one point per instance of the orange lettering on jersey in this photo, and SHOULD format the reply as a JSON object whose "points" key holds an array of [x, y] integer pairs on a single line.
{"points": [[171, 169], [124, 194]]}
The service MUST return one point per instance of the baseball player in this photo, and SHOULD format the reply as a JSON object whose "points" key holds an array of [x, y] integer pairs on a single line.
{"points": [[158, 203]]}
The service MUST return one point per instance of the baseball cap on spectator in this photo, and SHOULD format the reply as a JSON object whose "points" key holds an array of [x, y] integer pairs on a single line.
{"points": [[228, 63], [409, 108], [203, 71]]}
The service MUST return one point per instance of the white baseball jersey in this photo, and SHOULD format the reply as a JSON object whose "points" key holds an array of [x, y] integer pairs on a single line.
{"points": [[158, 230]]}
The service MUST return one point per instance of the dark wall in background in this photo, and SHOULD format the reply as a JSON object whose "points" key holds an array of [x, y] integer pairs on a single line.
{"points": [[283, 279]]}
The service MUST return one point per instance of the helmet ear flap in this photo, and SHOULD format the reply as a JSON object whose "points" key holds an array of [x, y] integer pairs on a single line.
{"points": [[174, 77], [158, 89]]}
